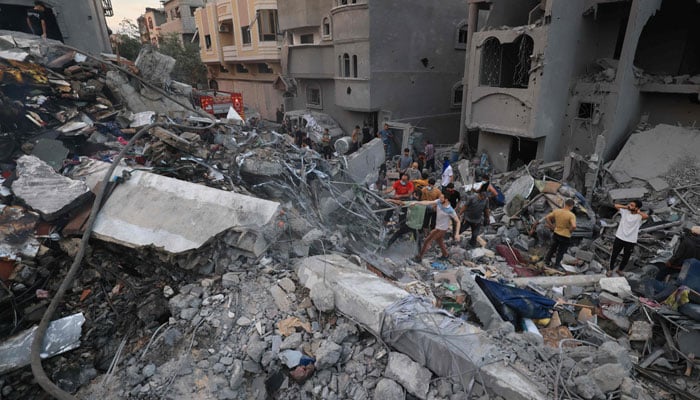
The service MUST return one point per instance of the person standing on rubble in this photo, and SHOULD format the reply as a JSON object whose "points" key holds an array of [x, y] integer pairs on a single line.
{"points": [[476, 212], [42, 22], [444, 213], [326, 148], [386, 136], [356, 139], [447, 176], [563, 223], [631, 220], [413, 172], [430, 193], [429, 156], [451, 194], [405, 161], [402, 188]]}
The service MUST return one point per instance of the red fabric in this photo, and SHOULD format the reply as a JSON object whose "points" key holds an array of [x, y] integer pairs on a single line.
{"points": [[402, 190]]}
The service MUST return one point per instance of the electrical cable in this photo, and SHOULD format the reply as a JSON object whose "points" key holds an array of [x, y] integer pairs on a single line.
{"points": [[37, 369]]}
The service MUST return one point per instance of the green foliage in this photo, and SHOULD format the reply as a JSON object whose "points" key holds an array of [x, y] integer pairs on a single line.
{"points": [[188, 65], [129, 47]]}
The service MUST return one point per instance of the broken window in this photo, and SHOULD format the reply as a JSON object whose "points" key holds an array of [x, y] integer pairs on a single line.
{"points": [[313, 96], [326, 27], [267, 25], [207, 41], [264, 68], [192, 10], [245, 35], [223, 69], [457, 94], [462, 33], [354, 66], [240, 68], [585, 110], [307, 39], [506, 65], [490, 72], [346, 65]]}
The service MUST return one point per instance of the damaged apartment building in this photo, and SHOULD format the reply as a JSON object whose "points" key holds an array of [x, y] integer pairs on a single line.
{"points": [[78, 23], [546, 78], [376, 61]]}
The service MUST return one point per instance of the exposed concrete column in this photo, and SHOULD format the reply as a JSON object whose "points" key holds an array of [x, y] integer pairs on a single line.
{"points": [[473, 14]]}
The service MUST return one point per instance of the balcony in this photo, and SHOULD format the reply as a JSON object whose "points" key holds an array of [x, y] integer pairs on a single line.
{"points": [[350, 23], [230, 53], [224, 11], [265, 5], [269, 50], [295, 14]]}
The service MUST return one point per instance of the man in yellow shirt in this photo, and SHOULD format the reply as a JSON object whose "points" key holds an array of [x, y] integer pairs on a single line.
{"points": [[562, 222]]}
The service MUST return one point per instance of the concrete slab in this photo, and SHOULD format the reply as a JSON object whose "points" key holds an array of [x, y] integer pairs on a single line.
{"points": [[658, 184], [45, 191], [365, 162], [51, 151], [646, 154], [617, 195], [465, 348], [549, 281], [177, 216]]}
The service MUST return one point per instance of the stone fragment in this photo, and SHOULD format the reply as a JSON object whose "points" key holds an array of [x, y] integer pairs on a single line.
{"points": [[387, 389], [45, 191], [255, 350], [327, 354], [243, 321], [584, 255], [280, 298], [149, 370], [618, 195], [410, 374], [287, 284], [229, 280], [322, 297], [658, 184], [292, 341], [586, 387], [608, 377], [237, 375]]}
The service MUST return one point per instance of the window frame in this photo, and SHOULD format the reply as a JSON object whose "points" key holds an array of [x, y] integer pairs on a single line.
{"points": [[268, 25], [245, 33], [457, 87], [309, 90], [461, 27]]}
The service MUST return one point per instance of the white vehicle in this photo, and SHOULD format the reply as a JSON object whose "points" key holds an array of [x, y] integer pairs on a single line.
{"points": [[313, 123]]}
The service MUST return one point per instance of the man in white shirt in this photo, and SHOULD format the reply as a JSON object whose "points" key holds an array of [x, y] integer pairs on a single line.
{"points": [[447, 176], [445, 213], [626, 236]]}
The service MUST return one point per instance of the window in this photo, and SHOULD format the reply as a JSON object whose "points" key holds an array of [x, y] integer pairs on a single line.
{"points": [[506, 65], [245, 35], [222, 68], [462, 32], [192, 10], [306, 39], [264, 69], [346, 65], [241, 69], [326, 27], [267, 25], [354, 66], [313, 96], [340, 66], [585, 110], [457, 93], [150, 23], [490, 71], [207, 41]]}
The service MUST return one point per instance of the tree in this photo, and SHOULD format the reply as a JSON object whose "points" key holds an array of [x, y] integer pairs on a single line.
{"points": [[129, 39], [188, 64]]}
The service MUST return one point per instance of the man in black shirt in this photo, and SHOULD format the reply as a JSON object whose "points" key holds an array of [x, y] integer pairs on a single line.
{"points": [[41, 21]]}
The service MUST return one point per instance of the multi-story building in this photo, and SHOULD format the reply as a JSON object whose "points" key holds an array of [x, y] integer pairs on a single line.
{"points": [[375, 61], [149, 25], [81, 23], [240, 44], [180, 19], [548, 77]]}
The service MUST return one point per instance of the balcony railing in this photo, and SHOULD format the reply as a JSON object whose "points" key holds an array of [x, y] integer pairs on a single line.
{"points": [[224, 10], [230, 53]]}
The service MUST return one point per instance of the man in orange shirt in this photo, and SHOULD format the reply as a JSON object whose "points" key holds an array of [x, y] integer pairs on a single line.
{"points": [[562, 222]]}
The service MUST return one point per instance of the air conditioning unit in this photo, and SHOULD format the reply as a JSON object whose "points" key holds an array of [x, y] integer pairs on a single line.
{"points": [[224, 28]]}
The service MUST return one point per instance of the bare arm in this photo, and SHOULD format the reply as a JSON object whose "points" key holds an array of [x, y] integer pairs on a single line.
{"points": [[573, 224], [458, 223], [423, 203], [644, 215], [43, 29], [620, 206], [29, 23], [549, 221]]}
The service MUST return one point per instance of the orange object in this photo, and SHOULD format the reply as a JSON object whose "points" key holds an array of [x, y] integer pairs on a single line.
{"points": [[85, 294]]}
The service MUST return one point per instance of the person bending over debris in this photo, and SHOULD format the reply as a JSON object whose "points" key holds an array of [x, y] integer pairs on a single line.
{"points": [[445, 212], [688, 249], [626, 235], [476, 212], [562, 222]]}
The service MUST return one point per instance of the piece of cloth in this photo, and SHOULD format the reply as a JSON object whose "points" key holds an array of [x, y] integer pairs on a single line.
{"points": [[401, 189], [626, 248], [564, 220], [475, 208], [678, 298], [689, 248], [446, 176], [444, 215], [628, 228], [559, 246], [513, 303]]}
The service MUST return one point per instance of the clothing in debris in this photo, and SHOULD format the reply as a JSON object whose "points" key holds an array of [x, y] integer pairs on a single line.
{"points": [[688, 248]]}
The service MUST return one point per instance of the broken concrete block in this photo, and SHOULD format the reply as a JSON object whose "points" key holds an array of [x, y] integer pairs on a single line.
{"points": [[45, 191], [387, 389], [658, 184], [607, 298], [409, 374], [481, 305], [51, 151], [618, 195], [584, 255], [363, 164], [323, 297], [616, 285], [608, 377], [153, 66], [327, 354], [17, 238], [280, 298], [134, 215]]}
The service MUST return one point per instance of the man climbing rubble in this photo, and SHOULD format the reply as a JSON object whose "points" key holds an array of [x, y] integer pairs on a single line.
{"points": [[631, 220], [688, 249], [476, 212], [445, 212], [563, 223]]}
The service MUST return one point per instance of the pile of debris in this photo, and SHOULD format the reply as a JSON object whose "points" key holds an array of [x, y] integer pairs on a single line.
{"points": [[225, 262]]}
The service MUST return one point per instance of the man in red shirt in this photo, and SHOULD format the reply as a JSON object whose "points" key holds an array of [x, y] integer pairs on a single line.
{"points": [[402, 188]]}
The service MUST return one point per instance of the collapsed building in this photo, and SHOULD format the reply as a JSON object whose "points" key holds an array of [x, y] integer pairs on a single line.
{"points": [[545, 78]]}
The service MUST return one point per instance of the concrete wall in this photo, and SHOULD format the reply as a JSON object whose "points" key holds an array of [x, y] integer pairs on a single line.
{"points": [[671, 109], [82, 22], [301, 13]]}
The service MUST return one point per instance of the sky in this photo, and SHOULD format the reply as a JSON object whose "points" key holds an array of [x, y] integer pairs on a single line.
{"points": [[129, 9]]}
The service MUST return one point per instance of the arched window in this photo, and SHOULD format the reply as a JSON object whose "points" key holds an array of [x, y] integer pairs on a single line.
{"points": [[326, 26], [457, 93], [354, 66], [346, 65], [490, 69], [506, 65], [340, 66]]}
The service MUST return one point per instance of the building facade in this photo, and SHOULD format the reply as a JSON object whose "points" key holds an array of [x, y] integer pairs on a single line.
{"points": [[179, 19], [548, 77], [81, 23], [240, 44], [149, 25], [375, 61]]}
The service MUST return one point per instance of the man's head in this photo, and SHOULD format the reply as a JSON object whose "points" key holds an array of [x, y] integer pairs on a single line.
{"points": [[446, 159], [444, 200], [569, 204], [481, 192], [450, 187], [427, 142], [404, 179], [357, 126], [431, 182], [425, 175], [406, 152], [325, 130], [414, 165], [39, 6], [386, 126], [634, 206]]}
